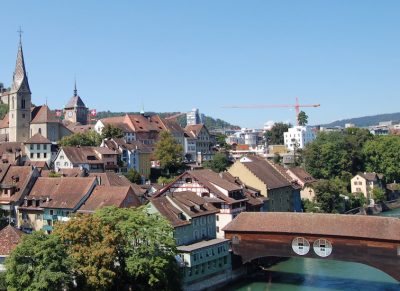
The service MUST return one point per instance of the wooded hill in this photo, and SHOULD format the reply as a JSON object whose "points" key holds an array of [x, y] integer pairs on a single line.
{"points": [[366, 120]]}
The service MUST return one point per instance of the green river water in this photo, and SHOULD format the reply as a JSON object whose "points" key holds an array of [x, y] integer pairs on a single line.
{"points": [[326, 275]]}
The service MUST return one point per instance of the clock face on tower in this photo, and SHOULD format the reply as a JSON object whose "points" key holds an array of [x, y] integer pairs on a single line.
{"points": [[69, 113]]}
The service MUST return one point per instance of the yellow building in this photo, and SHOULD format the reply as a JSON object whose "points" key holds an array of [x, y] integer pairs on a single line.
{"points": [[260, 174]]}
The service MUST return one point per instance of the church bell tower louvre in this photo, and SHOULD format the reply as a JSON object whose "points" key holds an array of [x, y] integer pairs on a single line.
{"points": [[19, 101]]}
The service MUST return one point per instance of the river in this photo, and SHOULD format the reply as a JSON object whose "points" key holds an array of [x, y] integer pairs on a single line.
{"points": [[300, 274]]}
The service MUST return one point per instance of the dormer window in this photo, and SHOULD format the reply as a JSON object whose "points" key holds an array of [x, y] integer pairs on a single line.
{"points": [[188, 180]]}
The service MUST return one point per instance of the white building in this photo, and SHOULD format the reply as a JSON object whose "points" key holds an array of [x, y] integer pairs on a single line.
{"points": [[298, 137]]}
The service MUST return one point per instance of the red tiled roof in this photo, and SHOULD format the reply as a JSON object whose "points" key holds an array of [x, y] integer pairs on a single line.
{"points": [[18, 177], [103, 196], [38, 139], [10, 237], [64, 192], [302, 175], [263, 170], [42, 114], [360, 226]]}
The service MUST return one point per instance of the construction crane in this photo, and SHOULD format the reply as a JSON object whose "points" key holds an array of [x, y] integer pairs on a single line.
{"points": [[296, 106], [175, 116]]}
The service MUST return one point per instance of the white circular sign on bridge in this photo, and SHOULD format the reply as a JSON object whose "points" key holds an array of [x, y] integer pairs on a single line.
{"points": [[322, 248], [300, 246]]}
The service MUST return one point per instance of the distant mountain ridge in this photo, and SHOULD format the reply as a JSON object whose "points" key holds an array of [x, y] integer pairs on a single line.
{"points": [[210, 122], [366, 121]]}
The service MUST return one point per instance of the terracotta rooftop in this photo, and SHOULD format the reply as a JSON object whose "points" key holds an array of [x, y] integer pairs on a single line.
{"points": [[263, 170], [74, 172], [38, 139], [81, 155], [302, 175], [42, 114], [371, 176], [10, 237], [102, 196], [194, 129], [17, 177], [64, 192], [359, 226], [186, 203]]}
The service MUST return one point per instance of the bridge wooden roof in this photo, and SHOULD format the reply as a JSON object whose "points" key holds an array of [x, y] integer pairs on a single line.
{"points": [[356, 226]]}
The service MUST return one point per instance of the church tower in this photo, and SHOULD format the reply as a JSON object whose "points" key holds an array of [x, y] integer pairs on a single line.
{"points": [[19, 101], [76, 111]]}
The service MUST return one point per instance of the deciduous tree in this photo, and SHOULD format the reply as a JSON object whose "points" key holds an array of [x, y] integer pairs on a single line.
{"points": [[218, 164], [134, 176], [110, 131], [275, 135], [168, 152], [39, 262], [328, 195], [90, 138], [92, 246]]}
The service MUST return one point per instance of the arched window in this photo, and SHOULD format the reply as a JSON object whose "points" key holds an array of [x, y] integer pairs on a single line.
{"points": [[323, 248], [300, 246], [23, 103]]}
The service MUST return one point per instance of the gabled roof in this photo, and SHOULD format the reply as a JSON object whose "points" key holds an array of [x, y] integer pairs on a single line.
{"points": [[302, 175], [75, 101], [371, 176], [38, 139], [103, 196], [195, 129], [74, 172], [42, 114], [64, 192], [10, 237], [263, 170], [175, 207], [86, 155], [18, 177], [113, 179]]}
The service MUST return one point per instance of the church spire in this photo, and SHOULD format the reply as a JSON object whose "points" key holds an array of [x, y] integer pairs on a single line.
{"points": [[75, 90], [20, 78]]}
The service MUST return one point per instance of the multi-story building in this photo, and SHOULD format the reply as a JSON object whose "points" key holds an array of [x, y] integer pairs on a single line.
{"points": [[38, 149], [194, 117], [298, 137], [15, 183], [228, 197], [201, 135], [273, 184], [10, 237], [93, 159], [204, 259], [53, 199], [365, 183]]}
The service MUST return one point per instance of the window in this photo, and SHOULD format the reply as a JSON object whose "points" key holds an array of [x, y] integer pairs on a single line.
{"points": [[31, 155], [217, 228], [31, 146], [38, 146], [65, 164], [40, 131], [45, 146], [51, 211], [23, 106], [45, 155], [58, 163], [23, 115], [38, 155]]}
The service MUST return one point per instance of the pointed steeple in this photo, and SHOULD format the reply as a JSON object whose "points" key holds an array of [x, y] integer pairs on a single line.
{"points": [[20, 78], [75, 90]]}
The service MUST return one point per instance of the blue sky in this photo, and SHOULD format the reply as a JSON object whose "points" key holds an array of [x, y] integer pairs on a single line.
{"points": [[176, 55]]}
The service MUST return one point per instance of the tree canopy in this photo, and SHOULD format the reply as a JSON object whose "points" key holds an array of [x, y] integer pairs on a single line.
{"points": [[275, 135], [3, 110], [134, 176], [382, 155], [168, 151], [302, 118], [39, 262], [218, 164], [110, 131], [328, 195], [89, 138], [115, 248]]}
